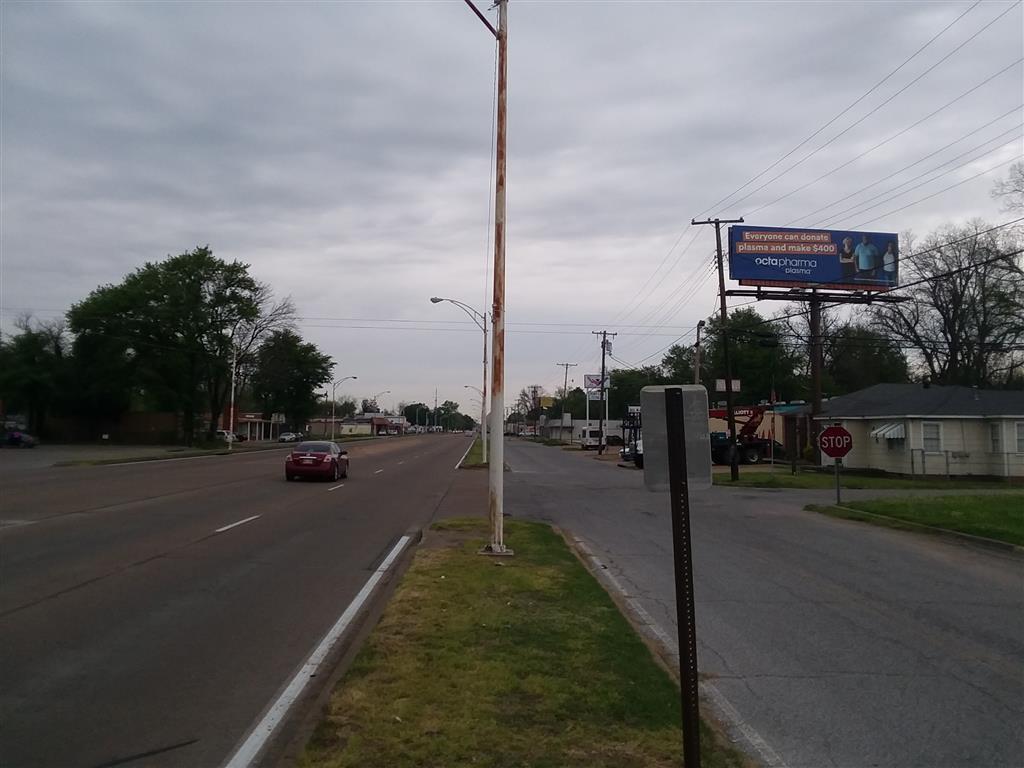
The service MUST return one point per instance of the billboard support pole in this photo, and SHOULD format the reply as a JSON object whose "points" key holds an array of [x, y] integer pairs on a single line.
{"points": [[734, 467]]}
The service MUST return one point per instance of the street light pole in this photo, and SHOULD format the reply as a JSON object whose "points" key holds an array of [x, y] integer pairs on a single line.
{"points": [[496, 460], [334, 388], [480, 319]]}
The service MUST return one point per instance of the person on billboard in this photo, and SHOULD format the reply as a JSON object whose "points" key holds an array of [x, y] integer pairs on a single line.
{"points": [[867, 258], [847, 259], [889, 263]]}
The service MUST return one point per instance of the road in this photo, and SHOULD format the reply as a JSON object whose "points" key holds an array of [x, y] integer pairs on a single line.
{"points": [[136, 633], [835, 643]]}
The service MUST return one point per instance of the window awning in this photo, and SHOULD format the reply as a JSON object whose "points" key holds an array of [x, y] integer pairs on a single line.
{"points": [[893, 431]]}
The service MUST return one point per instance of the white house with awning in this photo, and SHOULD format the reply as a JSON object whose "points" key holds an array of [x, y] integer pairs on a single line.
{"points": [[917, 429]]}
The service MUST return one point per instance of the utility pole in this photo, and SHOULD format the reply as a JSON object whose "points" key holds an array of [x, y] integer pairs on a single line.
{"points": [[734, 467], [496, 463], [435, 407], [696, 356], [815, 350], [602, 408], [565, 396]]}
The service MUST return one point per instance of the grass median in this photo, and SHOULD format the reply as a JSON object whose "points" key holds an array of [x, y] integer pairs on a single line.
{"points": [[475, 458], [521, 661], [782, 478], [998, 516]]}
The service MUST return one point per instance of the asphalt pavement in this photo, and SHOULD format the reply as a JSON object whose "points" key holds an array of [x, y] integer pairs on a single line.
{"points": [[150, 612], [826, 642]]}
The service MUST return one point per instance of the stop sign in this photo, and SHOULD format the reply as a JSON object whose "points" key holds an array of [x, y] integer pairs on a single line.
{"points": [[835, 442]]}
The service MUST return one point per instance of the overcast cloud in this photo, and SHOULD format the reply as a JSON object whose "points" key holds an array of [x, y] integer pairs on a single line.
{"points": [[344, 151]]}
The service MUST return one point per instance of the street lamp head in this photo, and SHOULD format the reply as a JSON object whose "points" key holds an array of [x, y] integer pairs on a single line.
{"points": [[435, 300]]}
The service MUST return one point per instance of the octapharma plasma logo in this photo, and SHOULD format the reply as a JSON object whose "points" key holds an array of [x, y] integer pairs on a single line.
{"points": [[789, 266]]}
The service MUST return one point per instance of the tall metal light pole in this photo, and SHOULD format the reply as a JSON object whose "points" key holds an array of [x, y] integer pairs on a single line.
{"points": [[481, 322], [496, 460], [334, 388]]}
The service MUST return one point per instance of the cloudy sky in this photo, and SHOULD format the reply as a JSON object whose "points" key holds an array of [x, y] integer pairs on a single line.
{"points": [[343, 150]]}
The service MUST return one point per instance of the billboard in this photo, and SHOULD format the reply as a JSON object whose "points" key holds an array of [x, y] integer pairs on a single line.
{"points": [[814, 258], [593, 381]]}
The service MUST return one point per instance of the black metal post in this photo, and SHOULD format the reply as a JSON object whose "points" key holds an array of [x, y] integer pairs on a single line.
{"points": [[685, 612]]}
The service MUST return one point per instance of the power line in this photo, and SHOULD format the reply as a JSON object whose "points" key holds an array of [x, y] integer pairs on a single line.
{"points": [[876, 202], [841, 112], [935, 194], [929, 116], [860, 120], [1009, 112]]}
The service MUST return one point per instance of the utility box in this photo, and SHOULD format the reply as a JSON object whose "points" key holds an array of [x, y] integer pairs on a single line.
{"points": [[697, 437]]}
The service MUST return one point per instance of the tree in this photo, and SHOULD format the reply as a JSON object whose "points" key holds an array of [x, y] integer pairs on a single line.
{"points": [[289, 373], [964, 323], [758, 356], [626, 385], [182, 321], [447, 414], [417, 413], [342, 408], [859, 356], [576, 403], [677, 364], [33, 366], [1011, 189]]}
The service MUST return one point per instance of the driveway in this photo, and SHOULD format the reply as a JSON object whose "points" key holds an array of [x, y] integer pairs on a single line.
{"points": [[825, 642]]}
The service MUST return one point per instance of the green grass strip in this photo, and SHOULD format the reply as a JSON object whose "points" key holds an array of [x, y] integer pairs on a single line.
{"points": [[998, 516], [520, 661]]}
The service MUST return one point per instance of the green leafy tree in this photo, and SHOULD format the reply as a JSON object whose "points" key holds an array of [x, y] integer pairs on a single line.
{"points": [[182, 321], [33, 367], [677, 365], [760, 359], [576, 403], [417, 413], [857, 356], [626, 385], [447, 414], [289, 373]]}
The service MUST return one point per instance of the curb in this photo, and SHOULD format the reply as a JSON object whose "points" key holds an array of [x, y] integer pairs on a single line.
{"points": [[969, 538], [724, 715]]}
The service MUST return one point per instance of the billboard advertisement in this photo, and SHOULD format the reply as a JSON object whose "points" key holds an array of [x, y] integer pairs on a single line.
{"points": [[814, 258]]}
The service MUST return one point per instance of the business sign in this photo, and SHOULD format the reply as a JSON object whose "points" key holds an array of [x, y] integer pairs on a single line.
{"points": [[594, 394], [593, 381], [814, 258]]}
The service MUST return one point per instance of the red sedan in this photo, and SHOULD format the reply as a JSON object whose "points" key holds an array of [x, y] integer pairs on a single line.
{"points": [[320, 459]]}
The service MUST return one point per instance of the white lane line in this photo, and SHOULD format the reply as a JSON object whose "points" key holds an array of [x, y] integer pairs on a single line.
{"points": [[240, 522], [342, 485], [247, 753], [378, 471], [465, 455], [402, 462]]}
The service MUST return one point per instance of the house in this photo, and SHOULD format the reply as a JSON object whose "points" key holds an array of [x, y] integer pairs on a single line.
{"points": [[917, 429]]}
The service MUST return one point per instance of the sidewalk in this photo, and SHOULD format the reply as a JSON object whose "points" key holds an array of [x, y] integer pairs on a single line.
{"points": [[821, 641]]}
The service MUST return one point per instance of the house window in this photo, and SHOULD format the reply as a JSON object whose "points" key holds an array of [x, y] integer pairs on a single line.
{"points": [[931, 432], [1020, 437], [995, 434]]}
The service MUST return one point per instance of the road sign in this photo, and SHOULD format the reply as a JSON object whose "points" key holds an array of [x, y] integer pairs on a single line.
{"points": [[835, 442]]}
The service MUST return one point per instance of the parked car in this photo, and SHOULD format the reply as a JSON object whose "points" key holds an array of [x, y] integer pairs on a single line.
{"points": [[321, 459], [227, 437], [288, 437], [15, 438], [240, 437]]}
